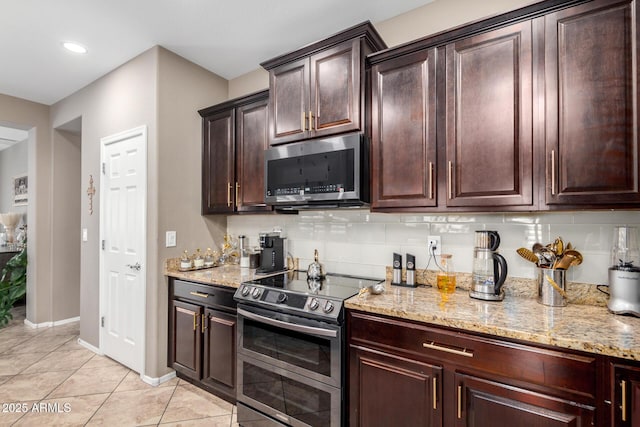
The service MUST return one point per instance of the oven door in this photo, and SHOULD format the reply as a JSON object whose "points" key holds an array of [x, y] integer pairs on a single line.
{"points": [[304, 346], [267, 393]]}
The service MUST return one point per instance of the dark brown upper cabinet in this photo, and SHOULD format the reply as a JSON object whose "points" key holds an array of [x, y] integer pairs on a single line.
{"points": [[403, 136], [489, 142], [319, 90], [234, 136], [591, 78]]}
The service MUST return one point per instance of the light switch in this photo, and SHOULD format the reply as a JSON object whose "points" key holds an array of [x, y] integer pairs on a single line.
{"points": [[170, 239], [85, 235]]}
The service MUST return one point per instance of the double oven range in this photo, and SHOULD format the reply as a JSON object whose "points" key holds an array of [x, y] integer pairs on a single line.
{"points": [[291, 349]]}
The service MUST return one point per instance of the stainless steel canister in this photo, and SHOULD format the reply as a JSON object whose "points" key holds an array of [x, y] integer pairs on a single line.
{"points": [[548, 294]]}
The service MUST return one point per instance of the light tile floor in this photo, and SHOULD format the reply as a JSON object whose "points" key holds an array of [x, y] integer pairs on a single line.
{"points": [[48, 379]]}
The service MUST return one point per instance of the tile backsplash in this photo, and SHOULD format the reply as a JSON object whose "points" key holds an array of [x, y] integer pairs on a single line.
{"points": [[356, 241]]}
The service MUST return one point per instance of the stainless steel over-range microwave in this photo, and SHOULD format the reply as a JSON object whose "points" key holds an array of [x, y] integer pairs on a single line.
{"points": [[321, 173]]}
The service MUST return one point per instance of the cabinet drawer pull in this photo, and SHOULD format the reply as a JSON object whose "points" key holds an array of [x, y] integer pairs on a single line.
{"points": [[435, 392], [228, 194], [459, 402], [553, 172], [450, 184], [237, 189], [204, 324], [433, 346], [198, 294], [430, 180], [623, 407]]}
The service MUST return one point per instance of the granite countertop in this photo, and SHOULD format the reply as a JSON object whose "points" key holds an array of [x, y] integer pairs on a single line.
{"points": [[587, 328], [584, 327]]}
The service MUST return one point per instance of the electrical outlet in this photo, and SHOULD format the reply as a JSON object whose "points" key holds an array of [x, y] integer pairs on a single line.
{"points": [[433, 245]]}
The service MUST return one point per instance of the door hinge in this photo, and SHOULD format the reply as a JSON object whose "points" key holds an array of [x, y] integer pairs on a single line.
{"points": [[104, 168], [102, 321], [103, 245]]}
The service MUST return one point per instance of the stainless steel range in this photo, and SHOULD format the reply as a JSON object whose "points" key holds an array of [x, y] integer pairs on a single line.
{"points": [[291, 349]]}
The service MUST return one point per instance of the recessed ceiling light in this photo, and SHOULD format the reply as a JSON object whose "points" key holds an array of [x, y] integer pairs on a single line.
{"points": [[74, 47]]}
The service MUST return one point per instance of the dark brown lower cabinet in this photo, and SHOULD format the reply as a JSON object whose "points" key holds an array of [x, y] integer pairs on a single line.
{"points": [[202, 336], [406, 373], [625, 391], [388, 390]]}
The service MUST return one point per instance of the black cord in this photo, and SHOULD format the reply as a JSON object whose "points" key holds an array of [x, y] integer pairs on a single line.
{"points": [[604, 292]]}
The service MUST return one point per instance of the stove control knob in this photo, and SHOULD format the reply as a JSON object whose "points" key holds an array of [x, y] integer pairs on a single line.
{"points": [[281, 298], [314, 304], [256, 293], [245, 291], [328, 307]]}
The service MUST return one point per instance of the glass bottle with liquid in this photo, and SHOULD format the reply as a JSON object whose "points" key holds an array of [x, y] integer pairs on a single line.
{"points": [[446, 277]]}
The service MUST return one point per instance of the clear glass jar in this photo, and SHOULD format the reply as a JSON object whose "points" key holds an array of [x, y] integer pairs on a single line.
{"points": [[185, 261], [198, 261], [209, 261], [446, 277]]}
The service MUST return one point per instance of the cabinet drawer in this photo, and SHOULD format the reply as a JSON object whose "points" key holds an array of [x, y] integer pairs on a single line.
{"points": [[556, 369], [212, 296]]}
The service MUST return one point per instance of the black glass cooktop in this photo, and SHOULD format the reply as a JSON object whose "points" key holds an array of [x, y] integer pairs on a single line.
{"points": [[335, 286]]}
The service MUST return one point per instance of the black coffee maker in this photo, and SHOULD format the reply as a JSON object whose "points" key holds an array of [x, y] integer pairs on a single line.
{"points": [[273, 253]]}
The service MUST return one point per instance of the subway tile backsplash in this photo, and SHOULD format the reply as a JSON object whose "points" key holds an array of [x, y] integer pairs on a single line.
{"points": [[360, 242]]}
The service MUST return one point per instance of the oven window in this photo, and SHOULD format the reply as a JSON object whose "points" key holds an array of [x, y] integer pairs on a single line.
{"points": [[295, 399], [302, 350]]}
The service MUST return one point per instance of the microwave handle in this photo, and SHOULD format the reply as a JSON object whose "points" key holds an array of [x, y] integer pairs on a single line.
{"points": [[289, 326]]}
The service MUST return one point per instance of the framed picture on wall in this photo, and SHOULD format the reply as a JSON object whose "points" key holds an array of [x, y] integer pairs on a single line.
{"points": [[20, 190]]}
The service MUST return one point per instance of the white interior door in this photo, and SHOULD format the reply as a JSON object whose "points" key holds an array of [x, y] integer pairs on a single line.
{"points": [[123, 239]]}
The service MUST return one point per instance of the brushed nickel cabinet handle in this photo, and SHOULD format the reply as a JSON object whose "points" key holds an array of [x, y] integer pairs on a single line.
{"points": [[228, 194], [553, 172], [459, 402], [450, 183], [430, 180], [623, 407], [433, 346], [198, 294], [435, 392]]}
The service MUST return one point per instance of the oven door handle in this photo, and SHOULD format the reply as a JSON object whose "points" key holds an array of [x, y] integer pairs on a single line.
{"points": [[289, 326]]}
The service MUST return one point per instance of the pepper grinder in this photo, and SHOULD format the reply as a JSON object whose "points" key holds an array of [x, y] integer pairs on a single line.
{"points": [[411, 270], [397, 269]]}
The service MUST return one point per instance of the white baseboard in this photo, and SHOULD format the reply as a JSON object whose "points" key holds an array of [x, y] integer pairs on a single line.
{"points": [[50, 324], [90, 347], [157, 381]]}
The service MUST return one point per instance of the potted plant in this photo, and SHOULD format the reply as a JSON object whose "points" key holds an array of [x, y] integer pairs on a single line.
{"points": [[13, 284]]}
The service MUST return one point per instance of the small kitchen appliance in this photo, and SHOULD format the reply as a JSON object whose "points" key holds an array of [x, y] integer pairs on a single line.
{"points": [[624, 273], [273, 253], [489, 267]]}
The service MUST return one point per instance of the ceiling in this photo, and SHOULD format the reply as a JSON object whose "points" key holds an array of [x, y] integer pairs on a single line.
{"points": [[229, 38]]}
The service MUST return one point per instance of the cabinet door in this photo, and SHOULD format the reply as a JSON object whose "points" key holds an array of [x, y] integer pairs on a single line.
{"points": [[591, 79], [289, 102], [252, 140], [403, 144], [488, 119], [218, 160], [335, 89], [220, 348], [187, 343], [626, 396], [392, 391], [481, 402]]}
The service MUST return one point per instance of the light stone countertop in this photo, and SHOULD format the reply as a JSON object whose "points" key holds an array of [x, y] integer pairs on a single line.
{"points": [[584, 327], [580, 327]]}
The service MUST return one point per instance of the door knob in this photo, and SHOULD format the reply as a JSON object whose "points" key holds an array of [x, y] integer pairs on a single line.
{"points": [[135, 266]]}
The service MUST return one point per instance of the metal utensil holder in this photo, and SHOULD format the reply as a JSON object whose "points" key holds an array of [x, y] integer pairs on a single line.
{"points": [[547, 293]]}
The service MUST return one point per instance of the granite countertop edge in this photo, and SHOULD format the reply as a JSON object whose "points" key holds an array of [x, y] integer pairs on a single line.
{"points": [[591, 329]]}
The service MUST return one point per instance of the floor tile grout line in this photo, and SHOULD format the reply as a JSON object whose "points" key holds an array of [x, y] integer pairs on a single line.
{"points": [[175, 388], [107, 398]]}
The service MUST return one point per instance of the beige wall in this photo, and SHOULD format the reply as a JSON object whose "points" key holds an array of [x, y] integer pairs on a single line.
{"points": [[65, 217], [34, 117], [121, 100], [253, 81], [183, 89], [13, 162]]}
